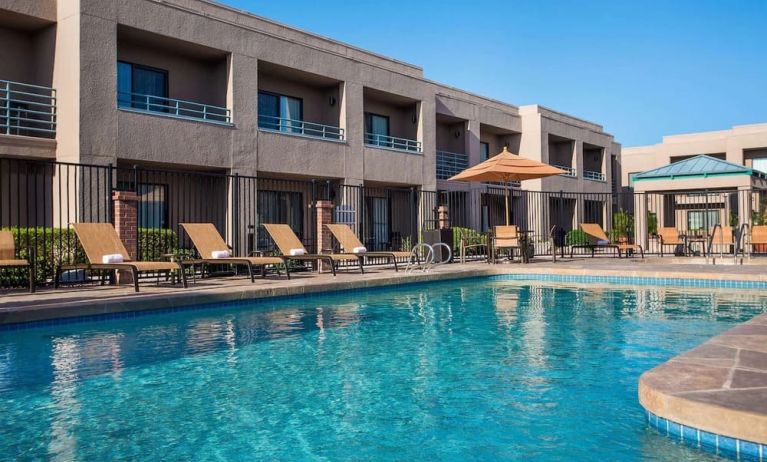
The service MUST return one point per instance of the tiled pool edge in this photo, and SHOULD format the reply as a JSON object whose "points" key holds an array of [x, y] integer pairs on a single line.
{"points": [[717, 392], [720, 445], [708, 283]]}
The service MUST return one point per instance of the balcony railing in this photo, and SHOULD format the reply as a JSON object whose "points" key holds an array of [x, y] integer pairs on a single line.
{"points": [[594, 176], [569, 171], [450, 164], [392, 142], [300, 127], [173, 107], [27, 110]]}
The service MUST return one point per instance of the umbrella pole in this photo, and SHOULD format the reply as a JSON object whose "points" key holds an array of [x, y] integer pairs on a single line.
{"points": [[508, 215]]}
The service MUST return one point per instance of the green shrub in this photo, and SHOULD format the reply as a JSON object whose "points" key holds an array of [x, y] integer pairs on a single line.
{"points": [[576, 237], [623, 225], [471, 236], [652, 223], [50, 246], [154, 243]]}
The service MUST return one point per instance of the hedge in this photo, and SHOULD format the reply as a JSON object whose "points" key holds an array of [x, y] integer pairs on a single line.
{"points": [[60, 245]]}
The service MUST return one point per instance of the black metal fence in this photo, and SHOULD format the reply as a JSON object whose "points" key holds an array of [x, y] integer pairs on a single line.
{"points": [[39, 199]]}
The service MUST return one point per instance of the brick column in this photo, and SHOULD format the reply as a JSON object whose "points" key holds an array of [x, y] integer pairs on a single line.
{"points": [[126, 225], [444, 221], [324, 237]]}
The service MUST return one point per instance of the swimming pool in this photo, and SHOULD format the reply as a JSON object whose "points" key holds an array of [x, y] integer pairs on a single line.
{"points": [[478, 369]]}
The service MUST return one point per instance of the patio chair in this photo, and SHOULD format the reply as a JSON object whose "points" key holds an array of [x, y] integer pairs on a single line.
{"points": [[722, 236], [504, 237], [105, 251], [292, 248], [466, 243], [670, 236], [351, 245], [598, 240], [758, 237], [8, 258], [213, 250]]}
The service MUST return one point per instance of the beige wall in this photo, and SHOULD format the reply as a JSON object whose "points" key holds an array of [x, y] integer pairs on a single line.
{"points": [[212, 54], [739, 144]]}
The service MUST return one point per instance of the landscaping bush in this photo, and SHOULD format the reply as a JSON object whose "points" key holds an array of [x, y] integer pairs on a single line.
{"points": [[154, 243], [50, 246], [576, 237], [471, 236], [652, 223]]}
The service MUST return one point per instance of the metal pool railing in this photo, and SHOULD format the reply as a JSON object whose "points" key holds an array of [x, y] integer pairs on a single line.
{"points": [[27, 110], [300, 127], [173, 107], [392, 142]]}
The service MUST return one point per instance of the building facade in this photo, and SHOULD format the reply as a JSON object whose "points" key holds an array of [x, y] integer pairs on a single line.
{"points": [[192, 85]]}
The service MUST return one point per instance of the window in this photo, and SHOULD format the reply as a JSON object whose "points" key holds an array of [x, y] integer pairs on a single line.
{"points": [[153, 212], [377, 130], [137, 84], [484, 151], [759, 163], [702, 219], [280, 207], [280, 112]]}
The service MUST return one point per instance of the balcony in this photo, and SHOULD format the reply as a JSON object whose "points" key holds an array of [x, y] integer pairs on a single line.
{"points": [[27, 110], [300, 128], [569, 171], [392, 142], [450, 164], [594, 176], [176, 108]]}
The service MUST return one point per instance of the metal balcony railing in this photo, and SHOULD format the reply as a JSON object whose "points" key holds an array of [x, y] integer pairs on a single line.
{"points": [[173, 107], [450, 164], [300, 127], [392, 142], [27, 110], [569, 171], [594, 176]]}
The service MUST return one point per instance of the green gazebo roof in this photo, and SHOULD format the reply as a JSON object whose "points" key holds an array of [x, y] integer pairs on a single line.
{"points": [[701, 166]]}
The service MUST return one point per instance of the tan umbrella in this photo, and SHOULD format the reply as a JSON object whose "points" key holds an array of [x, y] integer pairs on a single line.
{"points": [[507, 167]]}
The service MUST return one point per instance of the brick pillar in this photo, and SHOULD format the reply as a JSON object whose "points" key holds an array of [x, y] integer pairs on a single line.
{"points": [[442, 217], [126, 225], [324, 237]]}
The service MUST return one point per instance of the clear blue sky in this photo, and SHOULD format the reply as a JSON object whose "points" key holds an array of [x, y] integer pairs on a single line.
{"points": [[642, 69]]}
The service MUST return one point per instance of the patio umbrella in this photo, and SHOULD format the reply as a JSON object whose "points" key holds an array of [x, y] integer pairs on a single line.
{"points": [[507, 167]]}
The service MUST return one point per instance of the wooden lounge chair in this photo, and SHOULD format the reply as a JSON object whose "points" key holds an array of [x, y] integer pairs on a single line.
{"points": [[207, 240], [758, 236], [598, 240], [286, 241], [99, 240], [349, 241], [670, 236], [504, 237], [8, 257]]}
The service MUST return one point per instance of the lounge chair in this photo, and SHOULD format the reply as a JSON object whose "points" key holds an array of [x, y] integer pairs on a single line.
{"points": [[721, 237], [292, 248], [504, 237], [209, 243], [758, 236], [598, 240], [103, 249], [670, 236], [8, 258], [349, 243]]}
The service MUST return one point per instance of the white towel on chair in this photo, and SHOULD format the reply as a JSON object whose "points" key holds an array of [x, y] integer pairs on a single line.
{"points": [[297, 252], [359, 250], [111, 259], [220, 254], [602, 242]]}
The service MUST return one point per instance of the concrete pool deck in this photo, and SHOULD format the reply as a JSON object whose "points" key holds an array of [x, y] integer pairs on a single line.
{"points": [[718, 387]]}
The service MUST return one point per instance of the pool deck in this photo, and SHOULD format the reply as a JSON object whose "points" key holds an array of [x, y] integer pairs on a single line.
{"points": [[718, 387]]}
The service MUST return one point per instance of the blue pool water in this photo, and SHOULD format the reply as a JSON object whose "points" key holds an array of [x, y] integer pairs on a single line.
{"points": [[470, 370]]}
